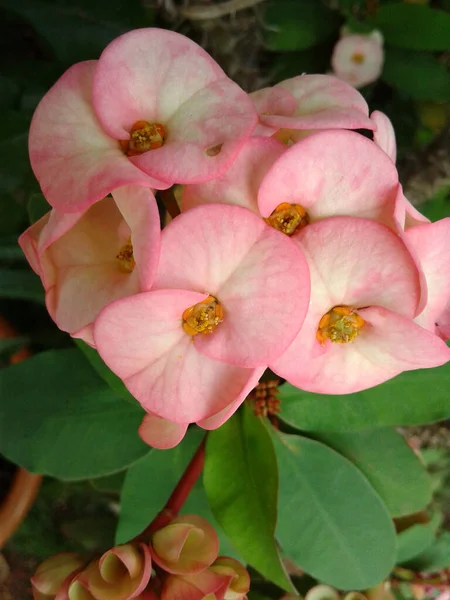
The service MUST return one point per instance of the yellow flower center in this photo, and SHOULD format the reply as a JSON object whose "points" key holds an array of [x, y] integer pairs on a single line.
{"points": [[341, 325], [288, 218], [144, 136], [126, 258], [203, 317], [358, 58]]}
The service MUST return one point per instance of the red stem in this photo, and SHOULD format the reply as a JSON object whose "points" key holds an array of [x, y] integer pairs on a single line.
{"points": [[180, 494]]}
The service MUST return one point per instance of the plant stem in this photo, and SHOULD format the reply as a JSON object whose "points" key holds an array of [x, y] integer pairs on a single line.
{"points": [[170, 202], [181, 492]]}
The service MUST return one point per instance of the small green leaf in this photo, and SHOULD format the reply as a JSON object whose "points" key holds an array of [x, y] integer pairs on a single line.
{"points": [[241, 482], [37, 207], [23, 285], [414, 26], [331, 522], [416, 73], [58, 418], [293, 25], [416, 540], [434, 558], [390, 465], [404, 400]]}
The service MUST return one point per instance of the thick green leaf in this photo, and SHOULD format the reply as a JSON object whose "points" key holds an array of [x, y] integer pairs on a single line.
{"points": [[241, 483], [149, 483], [416, 73], [390, 465], [412, 398], [23, 285], [416, 540], [331, 522], [294, 25], [434, 558], [414, 26], [37, 207], [57, 417]]}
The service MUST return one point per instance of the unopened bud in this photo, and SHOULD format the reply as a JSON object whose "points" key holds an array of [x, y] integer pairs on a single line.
{"points": [[189, 544], [239, 584], [52, 573], [199, 586]]}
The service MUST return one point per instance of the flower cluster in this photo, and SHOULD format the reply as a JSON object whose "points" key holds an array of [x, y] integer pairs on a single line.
{"points": [[180, 560], [295, 249]]}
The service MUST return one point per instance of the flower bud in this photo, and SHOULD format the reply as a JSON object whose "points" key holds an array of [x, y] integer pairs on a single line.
{"points": [[239, 584], [206, 585], [120, 574], [52, 573], [189, 544]]}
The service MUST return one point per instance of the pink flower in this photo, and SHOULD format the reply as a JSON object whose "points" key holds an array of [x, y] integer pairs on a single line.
{"points": [[309, 102], [384, 134], [90, 258], [358, 59], [359, 332], [201, 586], [53, 576], [155, 109], [224, 273]]}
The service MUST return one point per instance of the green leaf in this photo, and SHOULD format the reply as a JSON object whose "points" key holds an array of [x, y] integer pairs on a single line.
{"points": [[37, 207], [23, 285], [9, 92], [149, 483], [9, 345], [434, 558], [437, 207], [311, 60], [414, 26], [416, 540], [13, 215], [89, 26], [241, 482], [57, 417], [15, 170], [412, 398], [293, 25], [331, 522], [390, 465], [416, 73]]}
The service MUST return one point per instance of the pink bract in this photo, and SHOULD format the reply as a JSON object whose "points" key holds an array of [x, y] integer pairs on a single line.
{"points": [[333, 173], [258, 277], [78, 256], [360, 264], [150, 75], [358, 59]]}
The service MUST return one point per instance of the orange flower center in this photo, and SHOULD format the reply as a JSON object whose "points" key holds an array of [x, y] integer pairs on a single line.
{"points": [[203, 317], [358, 58], [126, 258], [341, 325], [288, 218], [144, 136]]}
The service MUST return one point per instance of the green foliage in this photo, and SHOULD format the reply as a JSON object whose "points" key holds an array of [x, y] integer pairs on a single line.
{"points": [[416, 73], [412, 398], [416, 540], [37, 207], [241, 483], [390, 465], [293, 25], [413, 26], [22, 285], [434, 558], [331, 522], [64, 421]]}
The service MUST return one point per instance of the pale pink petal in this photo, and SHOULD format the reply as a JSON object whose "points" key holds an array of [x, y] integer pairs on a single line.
{"points": [[147, 74], [257, 274], [239, 184], [204, 135], [431, 245], [161, 433], [272, 101], [367, 67], [29, 241], [406, 214], [333, 173], [387, 345], [74, 160], [384, 134], [323, 102], [142, 340], [443, 323]]}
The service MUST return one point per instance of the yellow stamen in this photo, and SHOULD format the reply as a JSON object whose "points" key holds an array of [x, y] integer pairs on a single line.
{"points": [[126, 258], [288, 218], [340, 325], [144, 136], [358, 58], [203, 317]]}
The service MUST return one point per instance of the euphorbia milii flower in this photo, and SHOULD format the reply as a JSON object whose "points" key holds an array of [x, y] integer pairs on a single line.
{"points": [[53, 573], [306, 103], [384, 134], [230, 295], [90, 258], [187, 545], [207, 585], [329, 173], [122, 573], [359, 331], [240, 579], [154, 110], [358, 59]]}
